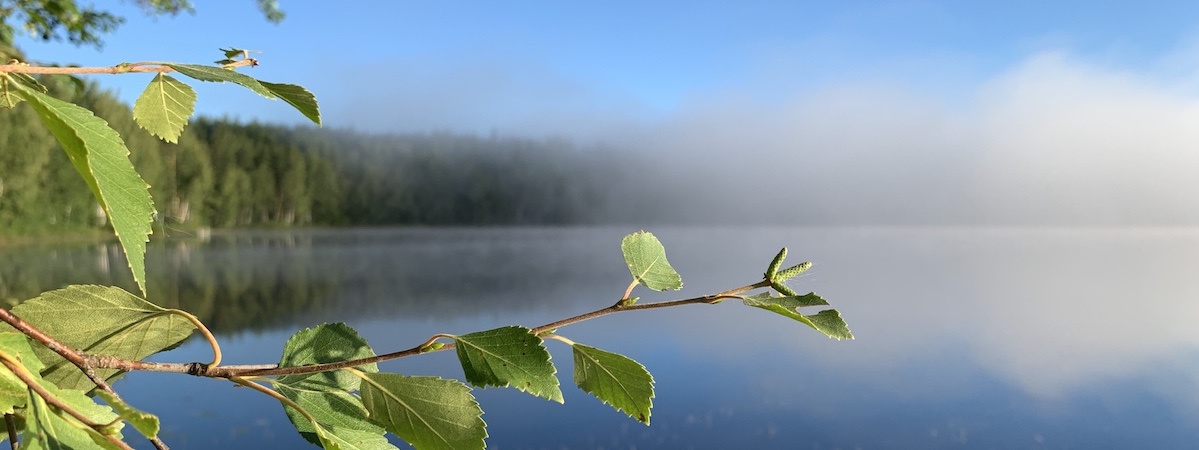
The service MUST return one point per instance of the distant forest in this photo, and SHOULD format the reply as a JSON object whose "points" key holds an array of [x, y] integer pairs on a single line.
{"points": [[229, 174]]}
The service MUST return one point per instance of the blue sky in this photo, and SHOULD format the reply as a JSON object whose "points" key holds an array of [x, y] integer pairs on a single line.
{"points": [[1085, 107], [642, 59]]}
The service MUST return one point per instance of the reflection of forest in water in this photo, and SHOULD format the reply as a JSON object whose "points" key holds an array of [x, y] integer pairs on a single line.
{"points": [[262, 280]]}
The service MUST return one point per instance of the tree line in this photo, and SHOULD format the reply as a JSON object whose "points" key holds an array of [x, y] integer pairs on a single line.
{"points": [[223, 173]]}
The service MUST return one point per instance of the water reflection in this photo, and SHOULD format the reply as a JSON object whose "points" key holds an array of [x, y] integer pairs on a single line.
{"points": [[991, 338]]}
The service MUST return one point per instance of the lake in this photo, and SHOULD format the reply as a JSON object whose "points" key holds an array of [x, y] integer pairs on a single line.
{"points": [[966, 337]]}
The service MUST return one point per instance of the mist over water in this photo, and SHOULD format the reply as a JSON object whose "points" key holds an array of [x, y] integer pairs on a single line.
{"points": [[966, 337], [1052, 140]]}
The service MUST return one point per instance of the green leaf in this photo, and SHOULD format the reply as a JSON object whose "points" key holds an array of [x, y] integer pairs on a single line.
{"points": [[100, 320], [49, 428], [233, 52], [327, 343], [297, 97], [8, 93], [8, 97], [831, 324], [428, 412], [46, 429], [100, 156], [164, 107], [647, 262], [508, 356], [145, 423], [792, 272], [828, 321], [616, 380], [220, 75], [340, 417], [28, 81], [13, 392]]}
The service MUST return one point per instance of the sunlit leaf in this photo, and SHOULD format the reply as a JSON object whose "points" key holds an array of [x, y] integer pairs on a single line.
{"points": [[327, 343], [164, 107], [145, 423], [828, 321], [615, 379], [100, 320], [647, 262], [100, 156], [428, 412], [297, 97], [508, 356], [233, 52]]}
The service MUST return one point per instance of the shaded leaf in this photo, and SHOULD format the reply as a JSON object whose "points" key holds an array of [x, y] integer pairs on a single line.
{"points": [[100, 320], [164, 107], [647, 262], [341, 418], [427, 412], [297, 97], [615, 379], [326, 344], [145, 423], [508, 356], [48, 428], [100, 156], [45, 429], [294, 95], [828, 321], [28, 81], [13, 392], [220, 75]]}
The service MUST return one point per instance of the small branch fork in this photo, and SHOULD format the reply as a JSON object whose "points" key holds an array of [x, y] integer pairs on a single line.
{"points": [[137, 67], [88, 362]]}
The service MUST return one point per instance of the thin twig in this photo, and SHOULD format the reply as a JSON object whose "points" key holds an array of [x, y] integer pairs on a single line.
{"points": [[138, 67], [11, 425], [21, 372], [205, 370], [80, 360]]}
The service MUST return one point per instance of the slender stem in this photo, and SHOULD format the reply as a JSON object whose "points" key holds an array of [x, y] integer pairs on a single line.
{"points": [[11, 425], [560, 339], [233, 371], [275, 395], [139, 67], [629, 291], [78, 359], [21, 372], [229, 371], [216, 347]]}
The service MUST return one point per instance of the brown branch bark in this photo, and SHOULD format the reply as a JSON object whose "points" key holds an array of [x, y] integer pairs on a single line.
{"points": [[138, 67]]}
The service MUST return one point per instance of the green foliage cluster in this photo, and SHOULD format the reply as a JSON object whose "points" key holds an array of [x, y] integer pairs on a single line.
{"points": [[60, 351]]}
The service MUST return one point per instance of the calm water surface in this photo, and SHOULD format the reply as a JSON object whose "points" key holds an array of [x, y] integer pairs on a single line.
{"points": [[966, 338]]}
